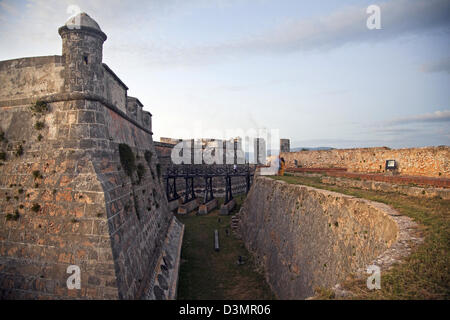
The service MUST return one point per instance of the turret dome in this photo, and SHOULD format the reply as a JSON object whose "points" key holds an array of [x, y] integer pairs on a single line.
{"points": [[82, 21]]}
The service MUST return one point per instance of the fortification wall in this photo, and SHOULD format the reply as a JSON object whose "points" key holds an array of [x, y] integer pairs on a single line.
{"points": [[31, 77], [429, 161], [115, 90], [76, 205], [68, 195], [304, 237]]}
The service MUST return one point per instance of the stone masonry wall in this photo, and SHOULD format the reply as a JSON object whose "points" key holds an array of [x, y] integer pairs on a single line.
{"points": [[90, 213], [31, 77], [66, 196], [304, 237], [429, 161]]}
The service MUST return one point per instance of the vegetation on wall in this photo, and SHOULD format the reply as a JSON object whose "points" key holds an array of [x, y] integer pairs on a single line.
{"points": [[39, 125], [39, 107], [19, 151], [127, 159], [148, 156], [140, 172], [158, 170]]}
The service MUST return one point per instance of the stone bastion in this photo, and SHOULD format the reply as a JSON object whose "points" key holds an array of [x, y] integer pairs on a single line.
{"points": [[304, 238]]}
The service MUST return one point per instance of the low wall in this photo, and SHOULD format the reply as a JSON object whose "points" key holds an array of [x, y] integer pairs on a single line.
{"points": [[31, 77], [430, 192], [429, 161], [304, 237]]}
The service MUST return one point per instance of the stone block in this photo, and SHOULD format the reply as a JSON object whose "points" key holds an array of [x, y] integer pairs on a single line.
{"points": [[207, 207], [226, 208], [185, 208], [174, 204]]}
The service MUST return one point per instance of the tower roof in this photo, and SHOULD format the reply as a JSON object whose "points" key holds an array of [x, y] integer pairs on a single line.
{"points": [[82, 21]]}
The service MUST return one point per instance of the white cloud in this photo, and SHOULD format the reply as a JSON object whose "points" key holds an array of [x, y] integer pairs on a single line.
{"points": [[437, 116], [346, 26]]}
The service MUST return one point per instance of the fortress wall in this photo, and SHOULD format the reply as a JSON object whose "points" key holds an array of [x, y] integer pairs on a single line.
{"points": [[68, 225], [31, 77], [115, 90], [91, 214], [429, 161], [65, 196], [139, 215], [304, 237]]}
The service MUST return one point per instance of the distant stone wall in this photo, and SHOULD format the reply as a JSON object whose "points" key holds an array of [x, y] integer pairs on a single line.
{"points": [[304, 237], [31, 77], [429, 161]]}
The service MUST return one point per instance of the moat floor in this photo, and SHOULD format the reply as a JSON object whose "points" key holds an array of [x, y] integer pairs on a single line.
{"points": [[209, 275]]}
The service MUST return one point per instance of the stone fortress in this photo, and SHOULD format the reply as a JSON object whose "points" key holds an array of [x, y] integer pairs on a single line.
{"points": [[80, 180], [82, 184]]}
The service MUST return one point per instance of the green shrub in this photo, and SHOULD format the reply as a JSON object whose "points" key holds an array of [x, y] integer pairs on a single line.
{"points": [[14, 216], [158, 170], [2, 155], [39, 125], [37, 174], [148, 156], [36, 207], [39, 107], [140, 171], [19, 151], [127, 159], [40, 137]]}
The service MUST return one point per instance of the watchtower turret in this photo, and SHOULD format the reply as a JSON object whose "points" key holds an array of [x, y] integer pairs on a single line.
{"points": [[83, 52]]}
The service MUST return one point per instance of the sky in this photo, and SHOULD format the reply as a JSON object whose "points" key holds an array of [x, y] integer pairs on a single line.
{"points": [[310, 69]]}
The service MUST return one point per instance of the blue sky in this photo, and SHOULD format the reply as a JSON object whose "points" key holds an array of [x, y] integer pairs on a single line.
{"points": [[311, 69]]}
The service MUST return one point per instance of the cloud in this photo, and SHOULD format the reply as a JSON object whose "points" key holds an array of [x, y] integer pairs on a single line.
{"points": [[138, 35], [437, 116], [342, 27], [442, 65]]}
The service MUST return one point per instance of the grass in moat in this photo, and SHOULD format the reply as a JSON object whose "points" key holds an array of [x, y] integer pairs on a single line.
{"points": [[209, 275], [425, 274]]}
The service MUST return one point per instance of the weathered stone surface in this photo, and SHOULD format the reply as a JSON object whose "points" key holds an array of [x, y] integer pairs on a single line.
{"points": [[207, 207], [428, 161], [165, 276], [64, 197], [225, 209], [304, 237], [185, 208]]}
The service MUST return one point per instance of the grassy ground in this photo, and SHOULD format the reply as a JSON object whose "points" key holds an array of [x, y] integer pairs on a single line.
{"points": [[209, 275], [425, 273]]}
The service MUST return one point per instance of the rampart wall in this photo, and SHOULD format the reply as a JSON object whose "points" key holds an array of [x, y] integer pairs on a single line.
{"points": [[429, 161]]}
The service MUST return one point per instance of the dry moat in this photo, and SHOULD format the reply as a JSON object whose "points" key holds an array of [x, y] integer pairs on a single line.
{"points": [[207, 274]]}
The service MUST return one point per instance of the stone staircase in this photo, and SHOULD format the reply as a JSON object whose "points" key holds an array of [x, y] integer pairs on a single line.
{"points": [[235, 225]]}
